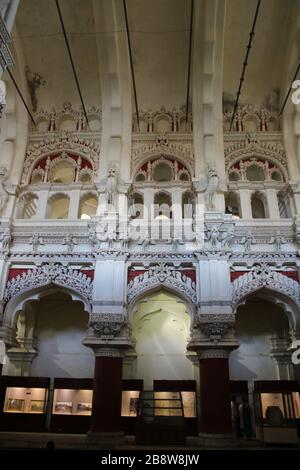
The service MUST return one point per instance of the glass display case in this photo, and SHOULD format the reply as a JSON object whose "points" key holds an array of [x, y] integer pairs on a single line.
{"points": [[71, 405], [187, 389], [160, 404], [23, 403], [25, 400], [131, 390], [189, 404], [277, 406], [160, 418], [167, 404], [72, 402], [130, 403], [287, 402]]}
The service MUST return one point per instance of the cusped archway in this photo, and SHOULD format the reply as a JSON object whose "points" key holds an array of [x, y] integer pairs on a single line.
{"points": [[160, 323]]}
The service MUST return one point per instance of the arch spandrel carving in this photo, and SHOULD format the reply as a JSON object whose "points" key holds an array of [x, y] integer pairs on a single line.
{"points": [[160, 276], [19, 288], [264, 278]]}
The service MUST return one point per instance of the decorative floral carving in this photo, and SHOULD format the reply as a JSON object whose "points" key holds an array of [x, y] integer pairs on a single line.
{"points": [[107, 324], [246, 150], [263, 276], [215, 326], [174, 119], [147, 150], [47, 274], [66, 142], [162, 274], [263, 117], [55, 117], [6, 239], [219, 236]]}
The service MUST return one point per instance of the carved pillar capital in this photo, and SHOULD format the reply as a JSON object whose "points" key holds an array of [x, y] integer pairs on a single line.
{"points": [[108, 334], [215, 326], [107, 325]]}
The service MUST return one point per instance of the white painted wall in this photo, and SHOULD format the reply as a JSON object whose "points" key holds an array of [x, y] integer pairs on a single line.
{"points": [[61, 327]]}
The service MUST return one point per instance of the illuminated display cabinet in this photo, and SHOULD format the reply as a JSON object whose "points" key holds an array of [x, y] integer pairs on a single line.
{"points": [[23, 403], [71, 405], [277, 411], [164, 389]]}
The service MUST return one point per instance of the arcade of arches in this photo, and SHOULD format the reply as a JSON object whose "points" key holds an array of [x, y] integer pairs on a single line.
{"points": [[149, 244]]}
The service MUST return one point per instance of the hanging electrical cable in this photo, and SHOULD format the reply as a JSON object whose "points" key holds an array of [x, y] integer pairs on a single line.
{"points": [[189, 64], [251, 34], [71, 60], [131, 64]]}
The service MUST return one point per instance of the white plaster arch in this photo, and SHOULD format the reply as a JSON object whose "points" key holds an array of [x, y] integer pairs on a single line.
{"points": [[34, 281], [189, 305], [276, 286], [17, 304], [162, 276]]}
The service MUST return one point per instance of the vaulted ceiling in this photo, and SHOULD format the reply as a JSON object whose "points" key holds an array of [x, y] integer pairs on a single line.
{"points": [[270, 48], [45, 53], [159, 32]]}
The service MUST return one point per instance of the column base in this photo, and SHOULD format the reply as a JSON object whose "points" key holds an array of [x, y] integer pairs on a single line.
{"points": [[217, 441], [105, 440]]}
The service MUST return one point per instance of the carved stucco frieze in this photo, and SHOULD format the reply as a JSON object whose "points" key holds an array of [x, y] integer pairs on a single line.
{"points": [[262, 276], [162, 274], [107, 324], [47, 274], [215, 326], [60, 143]]}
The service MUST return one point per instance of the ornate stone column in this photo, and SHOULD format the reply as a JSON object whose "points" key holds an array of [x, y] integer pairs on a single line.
{"points": [[281, 352], [109, 339], [213, 341], [245, 201], [272, 201], [74, 204]]}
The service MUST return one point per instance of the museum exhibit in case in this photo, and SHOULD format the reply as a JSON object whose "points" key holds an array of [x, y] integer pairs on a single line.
{"points": [[277, 411], [165, 389], [71, 405], [161, 418], [131, 390], [23, 403]]}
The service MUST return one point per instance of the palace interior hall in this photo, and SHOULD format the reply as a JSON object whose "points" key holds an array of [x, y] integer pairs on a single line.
{"points": [[150, 223]]}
